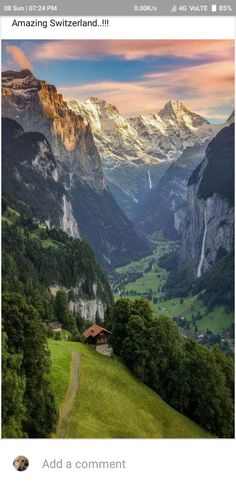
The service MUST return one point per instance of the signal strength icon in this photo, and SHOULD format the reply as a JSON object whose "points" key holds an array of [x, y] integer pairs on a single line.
{"points": [[174, 8]]}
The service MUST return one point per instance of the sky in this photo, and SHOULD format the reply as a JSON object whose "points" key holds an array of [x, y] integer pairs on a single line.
{"points": [[137, 76]]}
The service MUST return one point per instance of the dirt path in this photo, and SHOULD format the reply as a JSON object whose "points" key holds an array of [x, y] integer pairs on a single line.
{"points": [[69, 398]]}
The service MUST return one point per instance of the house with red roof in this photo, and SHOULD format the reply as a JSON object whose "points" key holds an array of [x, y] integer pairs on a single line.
{"points": [[99, 337]]}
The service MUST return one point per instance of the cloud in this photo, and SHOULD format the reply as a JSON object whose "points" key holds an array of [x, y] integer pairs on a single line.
{"points": [[19, 57], [207, 89], [134, 49]]}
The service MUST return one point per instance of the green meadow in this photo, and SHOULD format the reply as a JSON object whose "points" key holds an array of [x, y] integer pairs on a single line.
{"points": [[110, 402]]}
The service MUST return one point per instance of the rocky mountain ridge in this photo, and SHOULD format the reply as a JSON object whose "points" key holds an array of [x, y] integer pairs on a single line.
{"points": [[82, 203]]}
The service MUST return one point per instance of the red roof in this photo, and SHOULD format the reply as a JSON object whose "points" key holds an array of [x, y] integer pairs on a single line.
{"points": [[94, 330]]}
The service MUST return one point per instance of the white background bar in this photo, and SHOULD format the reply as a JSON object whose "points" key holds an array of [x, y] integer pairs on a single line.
{"points": [[127, 28]]}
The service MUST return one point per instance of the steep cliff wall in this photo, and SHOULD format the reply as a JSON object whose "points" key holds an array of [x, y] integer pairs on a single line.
{"points": [[87, 308], [207, 225]]}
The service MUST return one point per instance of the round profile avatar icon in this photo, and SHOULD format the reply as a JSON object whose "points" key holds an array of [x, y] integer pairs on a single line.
{"points": [[21, 463]]}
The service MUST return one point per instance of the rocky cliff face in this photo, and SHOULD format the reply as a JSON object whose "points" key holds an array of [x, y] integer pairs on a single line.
{"points": [[30, 178], [207, 224], [87, 308], [38, 106], [79, 201]]}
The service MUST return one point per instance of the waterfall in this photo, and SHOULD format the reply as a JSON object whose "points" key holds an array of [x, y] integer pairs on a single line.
{"points": [[149, 180], [199, 269]]}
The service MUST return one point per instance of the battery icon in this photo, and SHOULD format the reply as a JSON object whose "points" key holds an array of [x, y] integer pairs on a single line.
{"points": [[213, 8]]}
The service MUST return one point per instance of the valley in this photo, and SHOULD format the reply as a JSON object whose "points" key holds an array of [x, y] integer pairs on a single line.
{"points": [[143, 277], [146, 278]]}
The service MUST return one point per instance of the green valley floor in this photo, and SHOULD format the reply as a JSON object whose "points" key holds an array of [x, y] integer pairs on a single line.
{"points": [[98, 397], [151, 284]]}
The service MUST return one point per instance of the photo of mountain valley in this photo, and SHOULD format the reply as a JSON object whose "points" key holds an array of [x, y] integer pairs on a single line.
{"points": [[118, 239]]}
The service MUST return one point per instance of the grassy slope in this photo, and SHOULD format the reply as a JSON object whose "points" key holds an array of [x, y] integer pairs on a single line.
{"points": [[154, 279], [216, 320], [61, 358], [111, 402], [161, 247]]}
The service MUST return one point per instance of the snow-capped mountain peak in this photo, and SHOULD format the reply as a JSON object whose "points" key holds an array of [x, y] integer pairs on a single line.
{"points": [[175, 112], [115, 137]]}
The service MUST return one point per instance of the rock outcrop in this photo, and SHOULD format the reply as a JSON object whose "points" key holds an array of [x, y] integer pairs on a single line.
{"points": [[89, 309]]}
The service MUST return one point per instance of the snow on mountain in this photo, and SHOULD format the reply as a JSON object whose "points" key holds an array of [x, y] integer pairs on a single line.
{"points": [[150, 139], [137, 150], [115, 137], [178, 115], [173, 129]]}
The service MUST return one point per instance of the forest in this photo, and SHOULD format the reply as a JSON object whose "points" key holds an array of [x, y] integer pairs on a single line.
{"points": [[196, 380]]}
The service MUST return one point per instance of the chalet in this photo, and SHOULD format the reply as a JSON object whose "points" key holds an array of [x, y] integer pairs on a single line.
{"points": [[56, 326], [99, 337]]}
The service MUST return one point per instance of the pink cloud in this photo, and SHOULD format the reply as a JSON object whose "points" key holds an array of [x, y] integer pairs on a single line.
{"points": [[19, 57], [134, 49], [202, 88]]}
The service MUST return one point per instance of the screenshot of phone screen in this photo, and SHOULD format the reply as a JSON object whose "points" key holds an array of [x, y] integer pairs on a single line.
{"points": [[117, 243]]}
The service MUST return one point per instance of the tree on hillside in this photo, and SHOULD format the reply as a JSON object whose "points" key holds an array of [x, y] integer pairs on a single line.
{"points": [[210, 400], [135, 347], [167, 356], [119, 315], [61, 307], [143, 308], [27, 337], [13, 389]]}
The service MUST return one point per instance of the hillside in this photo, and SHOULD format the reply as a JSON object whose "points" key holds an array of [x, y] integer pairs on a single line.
{"points": [[37, 259], [110, 402]]}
